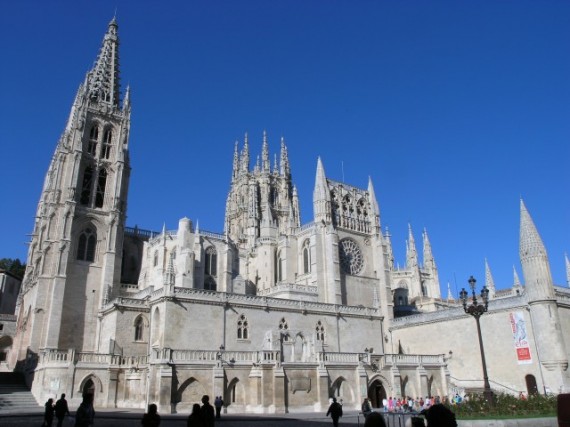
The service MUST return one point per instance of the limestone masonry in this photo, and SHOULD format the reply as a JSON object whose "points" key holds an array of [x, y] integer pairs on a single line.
{"points": [[271, 314]]}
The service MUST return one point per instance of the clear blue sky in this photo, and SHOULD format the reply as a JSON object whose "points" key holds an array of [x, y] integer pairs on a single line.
{"points": [[456, 109]]}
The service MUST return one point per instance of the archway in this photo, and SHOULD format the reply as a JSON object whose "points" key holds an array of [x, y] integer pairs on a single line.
{"points": [[376, 393], [5, 345], [531, 387], [89, 389]]}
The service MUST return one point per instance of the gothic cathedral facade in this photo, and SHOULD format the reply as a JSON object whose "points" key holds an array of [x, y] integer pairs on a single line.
{"points": [[271, 314]]}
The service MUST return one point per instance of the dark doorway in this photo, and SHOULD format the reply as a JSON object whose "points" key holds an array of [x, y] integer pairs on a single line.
{"points": [[376, 393], [531, 387], [89, 388]]}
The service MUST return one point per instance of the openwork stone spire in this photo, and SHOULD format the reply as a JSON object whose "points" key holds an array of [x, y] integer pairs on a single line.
{"points": [[104, 77], [489, 282]]}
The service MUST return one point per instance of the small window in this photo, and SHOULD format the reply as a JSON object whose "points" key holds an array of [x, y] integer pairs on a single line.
{"points": [[284, 328], [242, 328], [306, 257], [320, 331], [139, 328], [86, 245], [107, 140], [93, 138], [86, 186], [155, 262], [210, 263], [101, 183]]}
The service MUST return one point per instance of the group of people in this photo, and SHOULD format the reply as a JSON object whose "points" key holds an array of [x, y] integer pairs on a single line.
{"points": [[201, 416], [436, 414], [83, 417], [409, 404]]}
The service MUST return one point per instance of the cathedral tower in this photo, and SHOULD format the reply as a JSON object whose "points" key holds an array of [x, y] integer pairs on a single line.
{"points": [[544, 314], [75, 252]]}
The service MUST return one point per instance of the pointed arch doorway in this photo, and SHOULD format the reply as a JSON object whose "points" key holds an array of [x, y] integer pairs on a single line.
{"points": [[376, 392]]}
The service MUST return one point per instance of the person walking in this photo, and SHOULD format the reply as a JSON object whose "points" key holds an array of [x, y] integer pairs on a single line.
{"points": [[366, 407], [207, 412], [85, 414], [48, 414], [335, 411], [61, 409], [195, 418], [151, 418], [218, 402]]}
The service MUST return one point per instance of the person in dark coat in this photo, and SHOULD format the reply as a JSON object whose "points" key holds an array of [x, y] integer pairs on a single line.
{"points": [[218, 402], [195, 418], [85, 414], [61, 410], [48, 414], [151, 418], [374, 419], [207, 412], [335, 411]]}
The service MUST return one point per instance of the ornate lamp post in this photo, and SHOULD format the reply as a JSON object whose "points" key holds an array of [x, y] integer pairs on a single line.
{"points": [[476, 310]]}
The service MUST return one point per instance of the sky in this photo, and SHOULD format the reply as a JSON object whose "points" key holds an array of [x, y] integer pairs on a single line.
{"points": [[455, 109]]}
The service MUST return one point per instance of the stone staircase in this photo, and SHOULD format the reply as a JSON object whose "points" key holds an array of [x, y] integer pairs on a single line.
{"points": [[15, 396]]}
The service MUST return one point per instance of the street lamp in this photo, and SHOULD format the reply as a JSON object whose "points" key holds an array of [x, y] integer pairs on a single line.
{"points": [[476, 310]]}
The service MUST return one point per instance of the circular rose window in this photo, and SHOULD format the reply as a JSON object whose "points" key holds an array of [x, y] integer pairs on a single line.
{"points": [[351, 259]]}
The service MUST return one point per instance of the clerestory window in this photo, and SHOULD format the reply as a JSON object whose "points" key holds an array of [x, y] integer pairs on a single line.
{"points": [[139, 329], [242, 328], [107, 142], [211, 261], [93, 138]]}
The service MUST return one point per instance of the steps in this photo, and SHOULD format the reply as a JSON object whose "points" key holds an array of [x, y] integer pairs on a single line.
{"points": [[15, 396]]}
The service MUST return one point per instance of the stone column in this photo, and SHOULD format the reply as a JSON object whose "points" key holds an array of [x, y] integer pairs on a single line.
{"points": [[323, 387], [219, 383], [396, 381], [165, 403], [255, 388], [112, 388], [422, 380], [280, 392]]}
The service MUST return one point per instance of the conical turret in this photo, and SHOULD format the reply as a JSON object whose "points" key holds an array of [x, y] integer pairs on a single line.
{"points": [[375, 208], [285, 169], [567, 270], [265, 163], [534, 260], [489, 282], [321, 195]]}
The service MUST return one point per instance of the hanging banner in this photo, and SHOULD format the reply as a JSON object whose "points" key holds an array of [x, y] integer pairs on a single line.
{"points": [[522, 346]]}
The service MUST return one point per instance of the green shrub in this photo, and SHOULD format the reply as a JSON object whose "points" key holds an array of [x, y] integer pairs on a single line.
{"points": [[506, 406]]}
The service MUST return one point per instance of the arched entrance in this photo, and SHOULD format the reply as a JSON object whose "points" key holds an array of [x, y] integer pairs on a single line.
{"points": [[89, 388], [376, 392], [531, 386]]}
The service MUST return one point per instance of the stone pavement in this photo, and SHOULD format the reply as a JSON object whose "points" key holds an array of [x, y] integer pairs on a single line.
{"points": [[131, 417]]}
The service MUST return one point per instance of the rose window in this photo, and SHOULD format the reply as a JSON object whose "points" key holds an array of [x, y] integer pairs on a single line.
{"points": [[351, 259]]}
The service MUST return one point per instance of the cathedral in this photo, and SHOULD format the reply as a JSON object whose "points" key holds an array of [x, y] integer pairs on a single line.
{"points": [[273, 315]]}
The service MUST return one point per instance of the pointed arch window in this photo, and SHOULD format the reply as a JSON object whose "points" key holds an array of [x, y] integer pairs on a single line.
{"points": [[306, 257], [279, 267], [107, 142], [211, 261], [86, 245], [86, 186], [210, 284], [101, 183], [155, 262], [242, 328], [93, 138], [139, 328], [320, 331]]}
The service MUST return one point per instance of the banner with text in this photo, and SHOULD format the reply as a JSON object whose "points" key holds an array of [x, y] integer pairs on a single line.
{"points": [[522, 346]]}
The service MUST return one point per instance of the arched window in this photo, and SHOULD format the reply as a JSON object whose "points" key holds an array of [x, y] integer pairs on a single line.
{"points": [[139, 328], [155, 262], [320, 330], [93, 138], [279, 267], [86, 186], [210, 263], [306, 257], [106, 148], [86, 245], [173, 254], [242, 328], [101, 183]]}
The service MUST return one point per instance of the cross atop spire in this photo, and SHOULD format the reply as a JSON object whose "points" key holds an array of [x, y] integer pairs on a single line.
{"points": [[103, 79]]}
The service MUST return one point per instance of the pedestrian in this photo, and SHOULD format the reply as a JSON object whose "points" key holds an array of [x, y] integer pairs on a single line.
{"points": [[375, 419], [218, 402], [48, 414], [195, 418], [440, 416], [61, 409], [366, 407], [335, 411], [85, 414], [151, 418], [207, 412]]}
